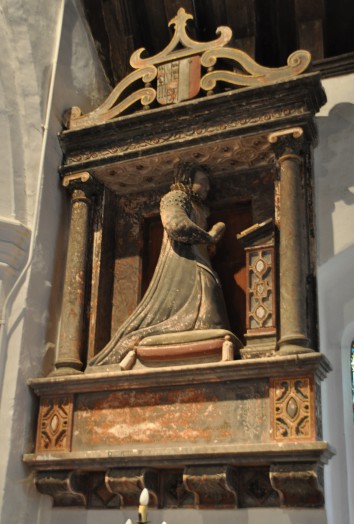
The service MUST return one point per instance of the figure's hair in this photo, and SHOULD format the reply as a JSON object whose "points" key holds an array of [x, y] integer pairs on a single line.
{"points": [[183, 179]]}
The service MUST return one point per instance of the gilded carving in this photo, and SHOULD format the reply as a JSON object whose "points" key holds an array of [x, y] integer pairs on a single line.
{"points": [[257, 74], [293, 409], [109, 110], [178, 76], [55, 424], [180, 37]]}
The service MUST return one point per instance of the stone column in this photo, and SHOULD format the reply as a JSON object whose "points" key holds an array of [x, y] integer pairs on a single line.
{"points": [[69, 357], [293, 326]]}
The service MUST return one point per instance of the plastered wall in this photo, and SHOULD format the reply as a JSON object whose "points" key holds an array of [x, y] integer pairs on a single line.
{"points": [[334, 182], [47, 64]]}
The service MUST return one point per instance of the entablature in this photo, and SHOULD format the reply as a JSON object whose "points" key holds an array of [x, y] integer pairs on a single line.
{"points": [[143, 149]]}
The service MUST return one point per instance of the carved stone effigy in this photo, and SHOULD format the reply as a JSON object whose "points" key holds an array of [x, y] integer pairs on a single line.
{"points": [[191, 413], [182, 317]]}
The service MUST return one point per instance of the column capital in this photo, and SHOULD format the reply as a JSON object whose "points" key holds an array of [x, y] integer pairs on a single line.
{"points": [[82, 182], [288, 144]]}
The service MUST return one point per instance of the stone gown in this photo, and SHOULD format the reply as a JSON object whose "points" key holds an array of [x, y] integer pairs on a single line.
{"points": [[184, 293]]}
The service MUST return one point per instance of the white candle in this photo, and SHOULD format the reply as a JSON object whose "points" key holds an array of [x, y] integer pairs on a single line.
{"points": [[143, 505]]}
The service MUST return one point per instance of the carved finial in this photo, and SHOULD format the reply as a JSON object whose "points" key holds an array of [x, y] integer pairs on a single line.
{"points": [[189, 46], [180, 19]]}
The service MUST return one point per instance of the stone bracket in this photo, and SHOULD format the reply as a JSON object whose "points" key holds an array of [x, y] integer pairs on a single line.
{"points": [[298, 484], [68, 488], [212, 486], [129, 483]]}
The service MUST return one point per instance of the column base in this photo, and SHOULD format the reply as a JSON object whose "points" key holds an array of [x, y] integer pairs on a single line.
{"points": [[294, 344], [64, 371], [67, 367]]}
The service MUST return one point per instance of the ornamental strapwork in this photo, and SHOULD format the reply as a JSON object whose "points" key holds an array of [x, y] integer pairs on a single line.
{"points": [[182, 71]]}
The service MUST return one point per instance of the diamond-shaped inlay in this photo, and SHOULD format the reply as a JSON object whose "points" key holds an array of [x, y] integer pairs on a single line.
{"points": [[54, 423], [292, 408], [260, 312], [260, 289], [260, 266]]}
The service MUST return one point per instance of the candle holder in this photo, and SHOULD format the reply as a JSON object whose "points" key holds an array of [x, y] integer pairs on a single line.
{"points": [[143, 507]]}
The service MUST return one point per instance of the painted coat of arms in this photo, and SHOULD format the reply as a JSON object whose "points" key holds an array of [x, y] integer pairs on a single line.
{"points": [[178, 80]]}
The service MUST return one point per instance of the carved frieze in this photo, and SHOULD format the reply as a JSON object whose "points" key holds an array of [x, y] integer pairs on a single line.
{"points": [[217, 126]]}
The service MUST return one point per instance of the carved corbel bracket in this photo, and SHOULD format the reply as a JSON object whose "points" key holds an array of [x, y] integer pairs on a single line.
{"points": [[128, 484], [68, 488], [298, 484], [212, 486]]}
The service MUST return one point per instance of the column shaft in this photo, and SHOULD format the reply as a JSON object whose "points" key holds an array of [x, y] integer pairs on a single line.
{"points": [[292, 281], [289, 145], [69, 358]]}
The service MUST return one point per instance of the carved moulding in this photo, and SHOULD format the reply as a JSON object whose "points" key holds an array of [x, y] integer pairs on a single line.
{"points": [[179, 76]]}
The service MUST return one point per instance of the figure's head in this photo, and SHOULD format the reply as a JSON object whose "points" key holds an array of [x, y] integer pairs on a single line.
{"points": [[194, 179], [200, 184]]}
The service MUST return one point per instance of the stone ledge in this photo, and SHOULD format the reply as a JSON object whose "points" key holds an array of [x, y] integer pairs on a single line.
{"points": [[289, 365], [234, 454]]}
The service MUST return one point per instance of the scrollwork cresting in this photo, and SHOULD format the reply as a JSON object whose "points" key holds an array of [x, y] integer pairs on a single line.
{"points": [[178, 50]]}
